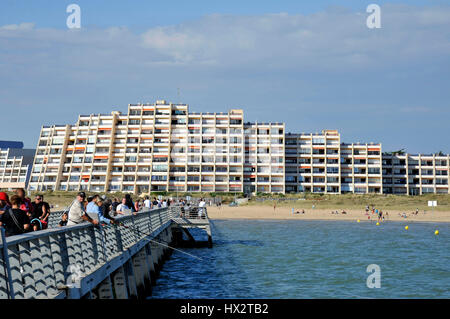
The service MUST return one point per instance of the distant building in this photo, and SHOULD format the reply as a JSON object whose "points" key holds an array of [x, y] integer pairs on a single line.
{"points": [[15, 165], [320, 163], [11, 144], [162, 147], [416, 174]]}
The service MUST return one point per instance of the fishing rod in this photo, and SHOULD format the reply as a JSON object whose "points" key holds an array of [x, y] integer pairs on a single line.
{"points": [[154, 241]]}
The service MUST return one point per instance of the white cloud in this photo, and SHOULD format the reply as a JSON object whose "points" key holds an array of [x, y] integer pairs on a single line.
{"points": [[324, 40], [17, 27], [324, 63], [331, 40]]}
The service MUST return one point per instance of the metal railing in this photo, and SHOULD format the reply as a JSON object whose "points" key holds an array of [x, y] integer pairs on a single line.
{"points": [[41, 263], [189, 212]]}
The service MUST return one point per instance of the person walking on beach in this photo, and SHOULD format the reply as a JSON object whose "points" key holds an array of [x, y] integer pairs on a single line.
{"points": [[380, 215]]}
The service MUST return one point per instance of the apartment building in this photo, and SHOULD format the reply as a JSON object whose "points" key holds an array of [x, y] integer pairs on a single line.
{"points": [[15, 165], [361, 168], [264, 165], [312, 162], [162, 147], [159, 147], [409, 174]]}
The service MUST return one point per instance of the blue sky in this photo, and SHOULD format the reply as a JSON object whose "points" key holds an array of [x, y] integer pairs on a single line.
{"points": [[311, 64], [139, 14]]}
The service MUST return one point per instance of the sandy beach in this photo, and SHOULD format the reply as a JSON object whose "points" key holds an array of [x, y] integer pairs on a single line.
{"points": [[267, 212]]}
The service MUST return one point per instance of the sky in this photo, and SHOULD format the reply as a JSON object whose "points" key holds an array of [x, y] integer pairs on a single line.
{"points": [[313, 65]]}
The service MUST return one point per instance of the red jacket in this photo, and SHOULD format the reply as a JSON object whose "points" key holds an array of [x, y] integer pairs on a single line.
{"points": [[26, 206]]}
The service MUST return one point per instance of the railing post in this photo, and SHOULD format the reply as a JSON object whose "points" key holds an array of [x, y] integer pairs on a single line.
{"points": [[160, 218], [150, 226], [38, 269], [16, 271], [57, 259], [27, 267], [136, 238], [6, 264], [99, 238]]}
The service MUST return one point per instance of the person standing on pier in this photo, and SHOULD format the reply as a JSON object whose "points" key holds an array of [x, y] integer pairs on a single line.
{"points": [[41, 211], [14, 220], [114, 205], [154, 203], [138, 205], [95, 208], [122, 208], [103, 211], [130, 203], [4, 202], [26, 202], [201, 208], [77, 212], [147, 202]]}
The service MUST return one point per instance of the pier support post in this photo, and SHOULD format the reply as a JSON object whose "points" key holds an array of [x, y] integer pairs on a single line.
{"points": [[138, 270], [154, 254], [208, 231], [145, 267], [105, 289], [151, 263], [120, 283], [165, 250], [170, 240], [131, 280]]}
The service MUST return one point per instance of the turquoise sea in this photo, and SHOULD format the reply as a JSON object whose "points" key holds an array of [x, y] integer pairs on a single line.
{"points": [[312, 259]]}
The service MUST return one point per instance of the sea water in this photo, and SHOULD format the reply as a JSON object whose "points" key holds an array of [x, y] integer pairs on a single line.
{"points": [[312, 259]]}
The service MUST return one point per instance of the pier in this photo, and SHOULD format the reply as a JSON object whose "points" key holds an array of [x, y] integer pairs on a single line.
{"points": [[87, 261]]}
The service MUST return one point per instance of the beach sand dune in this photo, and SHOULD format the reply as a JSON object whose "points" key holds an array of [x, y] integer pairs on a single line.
{"points": [[267, 212]]}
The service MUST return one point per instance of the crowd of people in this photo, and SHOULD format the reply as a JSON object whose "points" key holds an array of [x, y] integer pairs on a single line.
{"points": [[19, 214], [379, 214]]}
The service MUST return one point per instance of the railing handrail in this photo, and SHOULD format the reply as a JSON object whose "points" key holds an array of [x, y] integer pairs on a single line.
{"points": [[50, 252], [57, 230]]}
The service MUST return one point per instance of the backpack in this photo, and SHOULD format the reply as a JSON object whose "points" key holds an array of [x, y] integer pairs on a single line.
{"points": [[16, 222]]}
